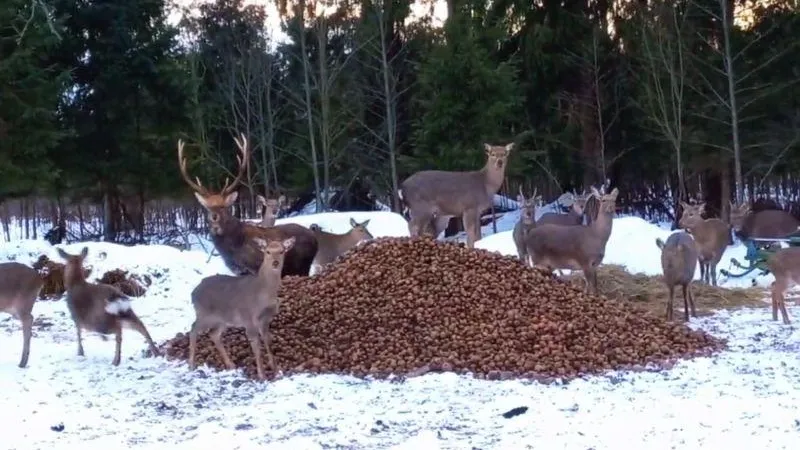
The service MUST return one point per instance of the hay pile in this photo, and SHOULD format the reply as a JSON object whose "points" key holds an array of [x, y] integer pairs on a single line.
{"points": [[649, 292], [404, 306], [132, 285]]}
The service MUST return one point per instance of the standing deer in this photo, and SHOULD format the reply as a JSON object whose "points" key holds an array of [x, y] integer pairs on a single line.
{"points": [[235, 240], [767, 224], [437, 195], [711, 237], [332, 245], [575, 247], [98, 307], [527, 220], [272, 208], [19, 287], [678, 263], [256, 304], [785, 266]]}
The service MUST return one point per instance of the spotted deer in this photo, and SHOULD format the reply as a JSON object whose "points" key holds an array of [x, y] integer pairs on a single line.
{"points": [[575, 247], [98, 307], [784, 264], [272, 208], [332, 245], [678, 264], [527, 220], [434, 196], [234, 240], [766, 224], [19, 287], [256, 304], [710, 235]]}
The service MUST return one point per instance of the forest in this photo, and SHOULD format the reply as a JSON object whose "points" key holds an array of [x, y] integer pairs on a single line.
{"points": [[664, 99]]}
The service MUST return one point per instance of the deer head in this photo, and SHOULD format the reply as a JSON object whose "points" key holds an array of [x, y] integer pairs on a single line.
{"points": [[272, 208], [497, 156], [608, 202], [528, 206], [738, 214], [360, 231], [73, 266], [692, 215], [217, 204], [274, 253]]}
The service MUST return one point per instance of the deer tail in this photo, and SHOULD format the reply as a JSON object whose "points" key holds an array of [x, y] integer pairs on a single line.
{"points": [[118, 306]]}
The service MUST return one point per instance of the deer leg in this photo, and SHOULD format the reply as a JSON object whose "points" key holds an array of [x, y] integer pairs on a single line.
{"points": [[252, 336], [687, 289], [80, 339], [670, 299], [27, 330], [216, 338], [685, 303], [702, 271], [439, 225], [469, 218], [784, 314], [713, 269], [135, 323], [266, 338], [118, 344], [778, 287], [193, 344]]}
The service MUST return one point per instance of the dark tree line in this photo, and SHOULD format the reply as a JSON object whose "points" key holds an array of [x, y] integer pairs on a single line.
{"points": [[667, 99]]}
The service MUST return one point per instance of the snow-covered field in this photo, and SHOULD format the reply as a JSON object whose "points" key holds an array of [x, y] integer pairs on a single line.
{"points": [[745, 397]]}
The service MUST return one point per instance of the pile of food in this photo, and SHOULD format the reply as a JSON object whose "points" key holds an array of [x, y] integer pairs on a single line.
{"points": [[400, 306], [52, 273]]}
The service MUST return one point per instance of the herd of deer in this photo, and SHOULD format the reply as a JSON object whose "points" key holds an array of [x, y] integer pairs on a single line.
{"points": [[261, 254]]}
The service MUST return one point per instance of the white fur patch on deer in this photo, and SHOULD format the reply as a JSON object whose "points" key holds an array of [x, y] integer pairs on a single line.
{"points": [[434, 196], [117, 306]]}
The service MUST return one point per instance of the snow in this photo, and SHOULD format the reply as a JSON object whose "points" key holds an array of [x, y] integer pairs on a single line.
{"points": [[744, 397]]}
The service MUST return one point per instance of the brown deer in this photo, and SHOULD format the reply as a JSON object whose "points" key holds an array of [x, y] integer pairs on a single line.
{"points": [[256, 304], [332, 245], [527, 220], [711, 237], [439, 195], [234, 240], [19, 288], [575, 247], [785, 266], [766, 224], [98, 307], [678, 263], [272, 208], [573, 217]]}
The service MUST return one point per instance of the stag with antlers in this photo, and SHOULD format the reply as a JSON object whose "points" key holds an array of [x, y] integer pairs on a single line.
{"points": [[236, 241]]}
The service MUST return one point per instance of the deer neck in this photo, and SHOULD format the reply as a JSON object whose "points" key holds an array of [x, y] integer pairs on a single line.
{"points": [[73, 278], [602, 224], [492, 178]]}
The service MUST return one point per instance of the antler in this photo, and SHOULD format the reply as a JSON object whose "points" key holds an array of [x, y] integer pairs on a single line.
{"points": [[196, 185], [243, 160]]}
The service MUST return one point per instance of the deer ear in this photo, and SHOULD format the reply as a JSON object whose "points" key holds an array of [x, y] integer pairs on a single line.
{"points": [[260, 243], [201, 200], [595, 192], [353, 222], [288, 243], [84, 252], [231, 199], [487, 147], [365, 223], [62, 253], [510, 147], [660, 243], [261, 200], [614, 193]]}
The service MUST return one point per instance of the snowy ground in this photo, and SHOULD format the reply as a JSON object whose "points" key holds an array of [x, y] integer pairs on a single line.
{"points": [[746, 397]]}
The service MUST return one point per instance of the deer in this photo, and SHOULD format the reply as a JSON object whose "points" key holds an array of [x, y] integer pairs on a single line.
{"points": [[573, 217], [98, 307], [434, 196], [766, 224], [272, 208], [575, 247], [711, 237], [19, 287], [234, 240], [785, 266], [678, 264], [256, 304], [332, 245], [527, 220]]}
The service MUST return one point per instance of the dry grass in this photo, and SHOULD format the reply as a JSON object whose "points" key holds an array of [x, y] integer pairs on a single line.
{"points": [[650, 293]]}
